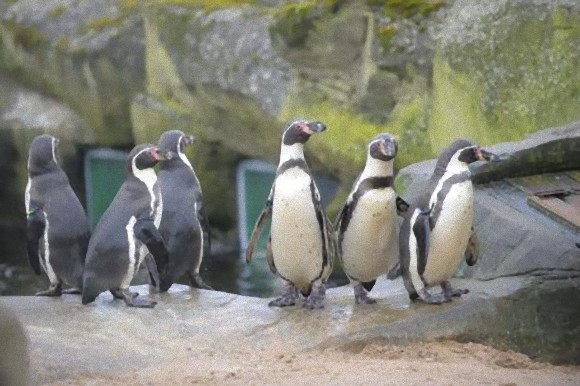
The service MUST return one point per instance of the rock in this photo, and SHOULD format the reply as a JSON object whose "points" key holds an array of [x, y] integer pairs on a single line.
{"points": [[107, 339], [14, 360], [505, 68]]}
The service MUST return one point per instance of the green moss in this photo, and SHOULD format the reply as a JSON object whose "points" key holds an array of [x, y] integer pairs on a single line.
{"points": [[105, 22], [407, 8], [27, 36], [62, 43], [57, 11], [402, 182], [207, 5], [294, 22], [386, 33], [455, 112], [524, 79]]}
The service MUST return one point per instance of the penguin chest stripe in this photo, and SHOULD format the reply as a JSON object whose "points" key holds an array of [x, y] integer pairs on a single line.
{"points": [[133, 249], [46, 248]]}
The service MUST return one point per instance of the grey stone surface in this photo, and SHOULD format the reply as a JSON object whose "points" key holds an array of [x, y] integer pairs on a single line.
{"points": [[14, 360], [108, 339]]}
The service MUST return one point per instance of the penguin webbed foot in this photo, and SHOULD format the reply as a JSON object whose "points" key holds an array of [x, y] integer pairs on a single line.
{"points": [[118, 294], [316, 298], [288, 298], [132, 300], [361, 296], [72, 291], [428, 298], [53, 290], [449, 292], [197, 282]]}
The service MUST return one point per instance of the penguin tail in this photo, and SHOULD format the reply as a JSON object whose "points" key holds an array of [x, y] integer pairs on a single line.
{"points": [[164, 285], [88, 298]]}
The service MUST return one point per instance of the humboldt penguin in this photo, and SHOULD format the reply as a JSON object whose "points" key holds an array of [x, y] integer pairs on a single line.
{"points": [[127, 234], [437, 228], [301, 244], [184, 225], [367, 227], [57, 231]]}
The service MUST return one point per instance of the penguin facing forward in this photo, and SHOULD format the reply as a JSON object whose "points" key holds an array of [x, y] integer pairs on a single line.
{"points": [[57, 231], [301, 241], [127, 233], [437, 229], [367, 227], [184, 226]]}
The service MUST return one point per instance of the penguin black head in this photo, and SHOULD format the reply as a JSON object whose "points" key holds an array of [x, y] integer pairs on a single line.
{"points": [[42, 154], [300, 131], [383, 147], [175, 141], [476, 153], [146, 156]]}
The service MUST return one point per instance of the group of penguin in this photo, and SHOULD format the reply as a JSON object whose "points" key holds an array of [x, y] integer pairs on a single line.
{"points": [[368, 237], [154, 218], [159, 219]]}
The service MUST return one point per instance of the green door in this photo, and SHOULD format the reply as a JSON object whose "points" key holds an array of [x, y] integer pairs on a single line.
{"points": [[104, 175]]}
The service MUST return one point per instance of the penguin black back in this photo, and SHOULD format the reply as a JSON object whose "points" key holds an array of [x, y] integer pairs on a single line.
{"points": [[184, 225], [57, 227]]}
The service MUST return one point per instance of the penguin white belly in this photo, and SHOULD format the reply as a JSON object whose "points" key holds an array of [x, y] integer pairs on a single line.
{"points": [[450, 236], [295, 231], [370, 244]]}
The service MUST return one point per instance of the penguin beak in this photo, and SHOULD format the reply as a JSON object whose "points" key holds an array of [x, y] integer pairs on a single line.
{"points": [[314, 127], [484, 155], [388, 149], [161, 155], [188, 139]]}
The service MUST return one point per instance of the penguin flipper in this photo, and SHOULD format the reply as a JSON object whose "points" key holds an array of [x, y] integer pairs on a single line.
{"points": [[153, 272], [146, 232], [422, 232], [35, 226], [257, 232], [395, 272], [472, 250], [204, 223], [270, 256], [332, 242]]}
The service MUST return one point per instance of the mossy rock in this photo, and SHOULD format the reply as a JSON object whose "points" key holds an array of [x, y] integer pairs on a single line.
{"points": [[513, 71]]}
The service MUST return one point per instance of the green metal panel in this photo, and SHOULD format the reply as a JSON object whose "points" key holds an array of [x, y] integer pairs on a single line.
{"points": [[104, 175]]}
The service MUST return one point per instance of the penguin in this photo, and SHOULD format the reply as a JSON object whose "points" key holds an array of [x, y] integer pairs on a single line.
{"points": [[127, 234], [57, 230], [367, 227], [437, 229], [184, 225], [301, 244]]}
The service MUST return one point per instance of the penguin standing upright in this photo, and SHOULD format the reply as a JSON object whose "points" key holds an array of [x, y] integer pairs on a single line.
{"points": [[184, 226], [127, 233], [437, 228], [367, 227], [301, 242], [57, 231]]}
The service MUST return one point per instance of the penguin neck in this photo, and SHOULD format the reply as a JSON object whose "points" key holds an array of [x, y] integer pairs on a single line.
{"points": [[455, 166], [149, 178], [377, 168], [290, 152], [38, 168], [184, 159]]}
